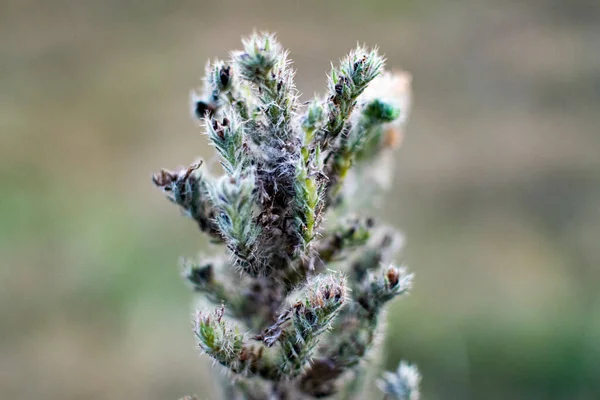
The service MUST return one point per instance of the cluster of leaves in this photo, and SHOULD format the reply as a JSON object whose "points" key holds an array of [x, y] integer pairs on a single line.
{"points": [[296, 302]]}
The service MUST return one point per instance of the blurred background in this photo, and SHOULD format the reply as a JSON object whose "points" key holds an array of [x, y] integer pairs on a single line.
{"points": [[497, 188]]}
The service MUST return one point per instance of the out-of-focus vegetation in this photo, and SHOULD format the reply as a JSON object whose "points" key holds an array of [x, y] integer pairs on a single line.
{"points": [[497, 188]]}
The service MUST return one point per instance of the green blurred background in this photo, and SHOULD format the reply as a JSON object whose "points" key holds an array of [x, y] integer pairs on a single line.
{"points": [[497, 188]]}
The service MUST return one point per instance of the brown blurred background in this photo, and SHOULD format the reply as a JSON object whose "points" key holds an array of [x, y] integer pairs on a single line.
{"points": [[497, 188]]}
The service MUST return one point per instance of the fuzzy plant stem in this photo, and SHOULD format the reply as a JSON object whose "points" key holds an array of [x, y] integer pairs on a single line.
{"points": [[291, 299]]}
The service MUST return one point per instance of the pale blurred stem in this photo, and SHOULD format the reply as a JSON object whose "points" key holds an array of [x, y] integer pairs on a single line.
{"points": [[369, 259], [218, 294], [353, 390], [353, 337], [229, 391], [205, 279], [330, 247]]}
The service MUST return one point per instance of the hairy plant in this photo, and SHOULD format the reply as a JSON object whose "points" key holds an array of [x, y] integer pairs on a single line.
{"points": [[298, 296]]}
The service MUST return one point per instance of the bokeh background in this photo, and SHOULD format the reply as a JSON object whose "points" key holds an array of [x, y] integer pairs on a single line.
{"points": [[497, 188]]}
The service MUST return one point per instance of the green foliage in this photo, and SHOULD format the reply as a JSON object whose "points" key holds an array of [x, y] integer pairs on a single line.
{"points": [[286, 325]]}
